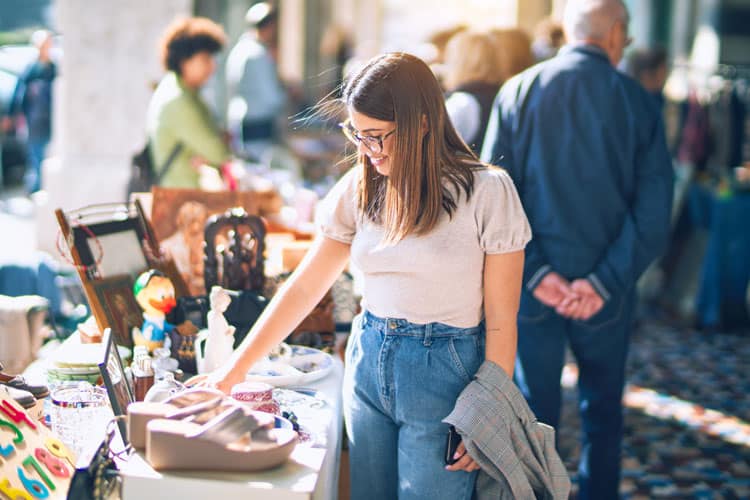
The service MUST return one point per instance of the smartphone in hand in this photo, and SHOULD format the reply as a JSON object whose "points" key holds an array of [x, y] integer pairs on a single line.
{"points": [[451, 445]]}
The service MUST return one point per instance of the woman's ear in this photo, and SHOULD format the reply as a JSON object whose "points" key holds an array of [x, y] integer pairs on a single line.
{"points": [[423, 127]]}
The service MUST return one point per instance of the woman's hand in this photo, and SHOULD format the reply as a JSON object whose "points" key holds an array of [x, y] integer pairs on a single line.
{"points": [[222, 379], [465, 463], [313, 277], [197, 161]]}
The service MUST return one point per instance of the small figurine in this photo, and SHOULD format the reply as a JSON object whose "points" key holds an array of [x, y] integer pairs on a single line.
{"points": [[154, 292], [220, 341]]}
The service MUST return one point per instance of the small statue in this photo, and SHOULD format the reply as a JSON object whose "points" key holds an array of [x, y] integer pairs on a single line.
{"points": [[154, 292], [220, 341]]}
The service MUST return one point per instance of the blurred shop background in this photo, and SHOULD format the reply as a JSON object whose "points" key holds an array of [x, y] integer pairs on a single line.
{"points": [[689, 437]]}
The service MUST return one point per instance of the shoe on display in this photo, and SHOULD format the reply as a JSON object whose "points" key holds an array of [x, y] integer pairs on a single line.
{"points": [[235, 440], [18, 382], [23, 398], [201, 404]]}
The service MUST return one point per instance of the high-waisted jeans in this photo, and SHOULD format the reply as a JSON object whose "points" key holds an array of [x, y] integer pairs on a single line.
{"points": [[401, 380]]}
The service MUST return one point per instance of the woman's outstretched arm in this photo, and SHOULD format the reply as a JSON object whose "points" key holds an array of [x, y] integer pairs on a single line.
{"points": [[307, 285]]}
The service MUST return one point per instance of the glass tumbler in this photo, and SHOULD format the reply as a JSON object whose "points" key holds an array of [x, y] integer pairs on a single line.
{"points": [[79, 415]]}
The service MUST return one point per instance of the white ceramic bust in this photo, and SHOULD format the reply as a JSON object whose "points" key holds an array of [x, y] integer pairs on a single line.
{"points": [[220, 333]]}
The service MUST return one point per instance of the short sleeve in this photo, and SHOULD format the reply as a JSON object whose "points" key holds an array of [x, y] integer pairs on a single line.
{"points": [[501, 220], [336, 214]]}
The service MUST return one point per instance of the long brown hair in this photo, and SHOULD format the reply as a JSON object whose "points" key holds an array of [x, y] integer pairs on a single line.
{"points": [[399, 87]]}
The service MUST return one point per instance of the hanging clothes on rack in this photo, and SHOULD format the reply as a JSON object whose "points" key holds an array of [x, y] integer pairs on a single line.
{"points": [[695, 140]]}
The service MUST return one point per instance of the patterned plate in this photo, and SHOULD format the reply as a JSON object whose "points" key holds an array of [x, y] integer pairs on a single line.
{"points": [[312, 411], [303, 366]]}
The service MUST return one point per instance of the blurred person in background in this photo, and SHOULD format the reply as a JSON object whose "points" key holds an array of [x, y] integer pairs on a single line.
{"points": [[513, 51], [439, 40], [179, 123], [650, 68], [336, 45], [473, 81], [32, 98], [257, 97], [585, 146], [549, 36], [433, 50]]}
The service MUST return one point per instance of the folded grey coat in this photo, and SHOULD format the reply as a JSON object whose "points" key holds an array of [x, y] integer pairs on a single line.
{"points": [[516, 453]]}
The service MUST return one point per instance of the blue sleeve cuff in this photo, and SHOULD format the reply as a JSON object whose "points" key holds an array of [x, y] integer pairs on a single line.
{"points": [[599, 287], [537, 277]]}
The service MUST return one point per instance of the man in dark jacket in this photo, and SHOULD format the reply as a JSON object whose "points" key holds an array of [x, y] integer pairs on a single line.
{"points": [[585, 147], [33, 98]]}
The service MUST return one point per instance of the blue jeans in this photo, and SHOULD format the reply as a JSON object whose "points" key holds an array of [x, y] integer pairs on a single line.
{"points": [[33, 178], [401, 380], [600, 346]]}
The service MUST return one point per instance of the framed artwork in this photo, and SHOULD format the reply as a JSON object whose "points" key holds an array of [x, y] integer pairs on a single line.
{"points": [[167, 203], [118, 306], [111, 248], [115, 381], [179, 217], [108, 242]]}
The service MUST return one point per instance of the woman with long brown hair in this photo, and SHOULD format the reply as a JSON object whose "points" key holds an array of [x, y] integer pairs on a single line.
{"points": [[439, 238]]}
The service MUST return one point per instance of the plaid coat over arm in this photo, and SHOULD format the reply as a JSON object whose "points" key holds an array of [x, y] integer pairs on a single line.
{"points": [[516, 453]]}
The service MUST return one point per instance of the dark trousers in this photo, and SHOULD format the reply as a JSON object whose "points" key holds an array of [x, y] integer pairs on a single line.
{"points": [[257, 130], [600, 347], [33, 176]]}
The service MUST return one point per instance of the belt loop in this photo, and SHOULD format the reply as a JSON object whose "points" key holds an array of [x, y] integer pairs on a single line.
{"points": [[428, 335]]}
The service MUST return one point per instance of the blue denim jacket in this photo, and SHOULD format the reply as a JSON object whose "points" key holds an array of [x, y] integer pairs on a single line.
{"points": [[585, 146]]}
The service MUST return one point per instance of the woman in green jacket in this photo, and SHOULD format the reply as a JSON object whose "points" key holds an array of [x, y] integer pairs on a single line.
{"points": [[178, 119]]}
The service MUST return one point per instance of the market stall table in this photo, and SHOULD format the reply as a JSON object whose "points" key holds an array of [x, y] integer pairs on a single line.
{"points": [[310, 473]]}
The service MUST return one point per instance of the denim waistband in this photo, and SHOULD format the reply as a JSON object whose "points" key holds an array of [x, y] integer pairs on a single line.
{"points": [[399, 326]]}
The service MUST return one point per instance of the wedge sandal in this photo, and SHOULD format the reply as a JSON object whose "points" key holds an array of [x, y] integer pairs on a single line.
{"points": [[235, 440], [196, 404]]}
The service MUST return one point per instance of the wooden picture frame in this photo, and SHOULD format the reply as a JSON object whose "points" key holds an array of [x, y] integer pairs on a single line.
{"points": [[111, 248], [115, 381], [123, 230], [118, 306]]}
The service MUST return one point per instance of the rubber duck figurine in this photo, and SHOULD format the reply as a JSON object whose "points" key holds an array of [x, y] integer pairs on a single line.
{"points": [[154, 292]]}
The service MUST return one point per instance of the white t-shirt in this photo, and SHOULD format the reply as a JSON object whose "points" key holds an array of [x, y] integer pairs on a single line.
{"points": [[465, 114], [437, 277]]}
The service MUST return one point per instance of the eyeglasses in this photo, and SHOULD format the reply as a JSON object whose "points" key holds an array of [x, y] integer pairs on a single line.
{"points": [[372, 142]]}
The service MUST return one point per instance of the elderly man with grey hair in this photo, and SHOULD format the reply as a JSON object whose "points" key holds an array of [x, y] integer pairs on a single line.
{"points": [[585, 146]]}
